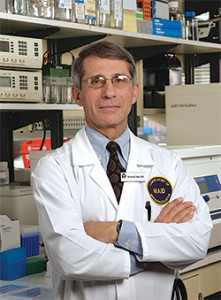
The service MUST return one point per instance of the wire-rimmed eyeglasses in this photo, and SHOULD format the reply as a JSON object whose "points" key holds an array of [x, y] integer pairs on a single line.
{"points": [[97, 82]]}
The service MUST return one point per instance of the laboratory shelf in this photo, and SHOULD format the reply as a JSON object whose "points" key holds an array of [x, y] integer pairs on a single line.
{"points": [[10, 23], [38, 106]]}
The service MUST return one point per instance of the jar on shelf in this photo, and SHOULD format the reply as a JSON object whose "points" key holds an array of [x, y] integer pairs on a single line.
{"points": [[103, 13], [63, 10], [78, 11], [18, 7], [41, 8]]}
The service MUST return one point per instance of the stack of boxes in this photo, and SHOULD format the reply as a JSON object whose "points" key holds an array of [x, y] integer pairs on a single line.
{"points": [[168, 28], [153, 17], [19, 250]]}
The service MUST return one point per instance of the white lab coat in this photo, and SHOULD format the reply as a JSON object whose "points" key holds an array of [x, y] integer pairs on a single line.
{"points": [[71, 187]]}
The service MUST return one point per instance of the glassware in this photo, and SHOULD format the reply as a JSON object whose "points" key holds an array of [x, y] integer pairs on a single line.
{"points": [[79, 11], [117, 14], [191, 25], [4, 173], [41, 8], [3, 6], [103, 13], [173, 10], [63, 10], [19, 7], [90, 12]]}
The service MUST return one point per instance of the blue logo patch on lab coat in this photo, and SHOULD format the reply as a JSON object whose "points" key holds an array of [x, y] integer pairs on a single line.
{"points": [[160, 190]]}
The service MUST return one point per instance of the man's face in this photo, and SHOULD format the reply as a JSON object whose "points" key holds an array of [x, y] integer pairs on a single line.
{"points": [[106, 107]]}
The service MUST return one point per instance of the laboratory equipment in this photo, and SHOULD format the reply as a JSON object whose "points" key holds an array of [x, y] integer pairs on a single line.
{"points": [[4, 173], [56, 83], [78, 10], [90, 12], [3, 5], [16, 51], [41, 8], [173, 9], [20, 7], [204, 163], [17, 202], [191, 25], [193, 114], [20, 86], [103, 13], [63, 10], [159, 71], [7, 6], [116, 13]]}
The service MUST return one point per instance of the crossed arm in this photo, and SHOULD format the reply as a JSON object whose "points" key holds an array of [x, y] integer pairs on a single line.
{"points": [[176, 211]]}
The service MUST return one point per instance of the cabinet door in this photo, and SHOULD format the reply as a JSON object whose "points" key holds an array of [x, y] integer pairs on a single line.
{"points": [[210, 279], [192, 285]]}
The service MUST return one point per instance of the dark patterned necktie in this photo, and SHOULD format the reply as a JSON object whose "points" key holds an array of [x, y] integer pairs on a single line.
{"points": [[114, 168]]}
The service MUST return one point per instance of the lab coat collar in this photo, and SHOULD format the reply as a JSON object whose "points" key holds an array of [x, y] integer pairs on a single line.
{"points": [[83, 153]]}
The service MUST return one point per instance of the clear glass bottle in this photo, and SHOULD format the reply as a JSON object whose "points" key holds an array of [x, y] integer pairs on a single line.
{"points": [[103, 15], [177, 15], [90, 12], [70, 99], [117, 14], [3, 5], [4, 173], [173, 10], [41, 8], [19, 7], [63, 10], [9, 6], [79, 11]]}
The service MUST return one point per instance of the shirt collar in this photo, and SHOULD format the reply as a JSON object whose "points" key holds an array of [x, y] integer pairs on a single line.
{"points": [[99, 142]]}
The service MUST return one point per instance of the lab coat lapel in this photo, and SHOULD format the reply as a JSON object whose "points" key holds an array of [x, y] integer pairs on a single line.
{"points": [[139, 158], [83, 154]]}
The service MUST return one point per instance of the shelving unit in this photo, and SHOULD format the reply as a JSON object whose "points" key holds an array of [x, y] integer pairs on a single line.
{"points": [[10, 23], [138, 44], [38, 106]]}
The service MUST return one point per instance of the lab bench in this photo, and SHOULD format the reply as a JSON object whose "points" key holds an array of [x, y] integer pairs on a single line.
{"points": [[201, 279]]}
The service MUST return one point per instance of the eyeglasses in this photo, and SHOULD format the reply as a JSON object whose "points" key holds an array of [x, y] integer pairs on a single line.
{"points": [[97, 82]]}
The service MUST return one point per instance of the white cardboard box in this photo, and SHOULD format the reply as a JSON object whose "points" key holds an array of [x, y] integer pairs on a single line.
{"points": [[9, 233]]}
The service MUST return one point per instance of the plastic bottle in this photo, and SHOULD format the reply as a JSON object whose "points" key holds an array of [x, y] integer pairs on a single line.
{"points": [[41, 8], [78, 11], [191, 25], [103, 13], [63, 10], [4, 173], [116, 13]]}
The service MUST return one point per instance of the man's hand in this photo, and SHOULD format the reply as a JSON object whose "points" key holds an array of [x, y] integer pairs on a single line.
{"points": [[105, 232], [176, 211]]}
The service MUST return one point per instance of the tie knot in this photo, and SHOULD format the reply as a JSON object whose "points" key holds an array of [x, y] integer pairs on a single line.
{"points": [[112, 147]]}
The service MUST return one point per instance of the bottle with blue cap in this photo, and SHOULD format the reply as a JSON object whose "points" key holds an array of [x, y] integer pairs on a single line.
{"points": [[191, 25]]}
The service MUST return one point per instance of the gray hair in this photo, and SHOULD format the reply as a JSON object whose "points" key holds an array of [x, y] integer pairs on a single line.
{"points": [[102, 49]]}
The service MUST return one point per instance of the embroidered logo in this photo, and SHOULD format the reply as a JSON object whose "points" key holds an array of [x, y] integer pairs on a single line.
{"points": [[160, 190]]}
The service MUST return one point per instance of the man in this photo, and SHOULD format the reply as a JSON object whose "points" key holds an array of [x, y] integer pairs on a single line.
{"points": [[104, 242]]}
